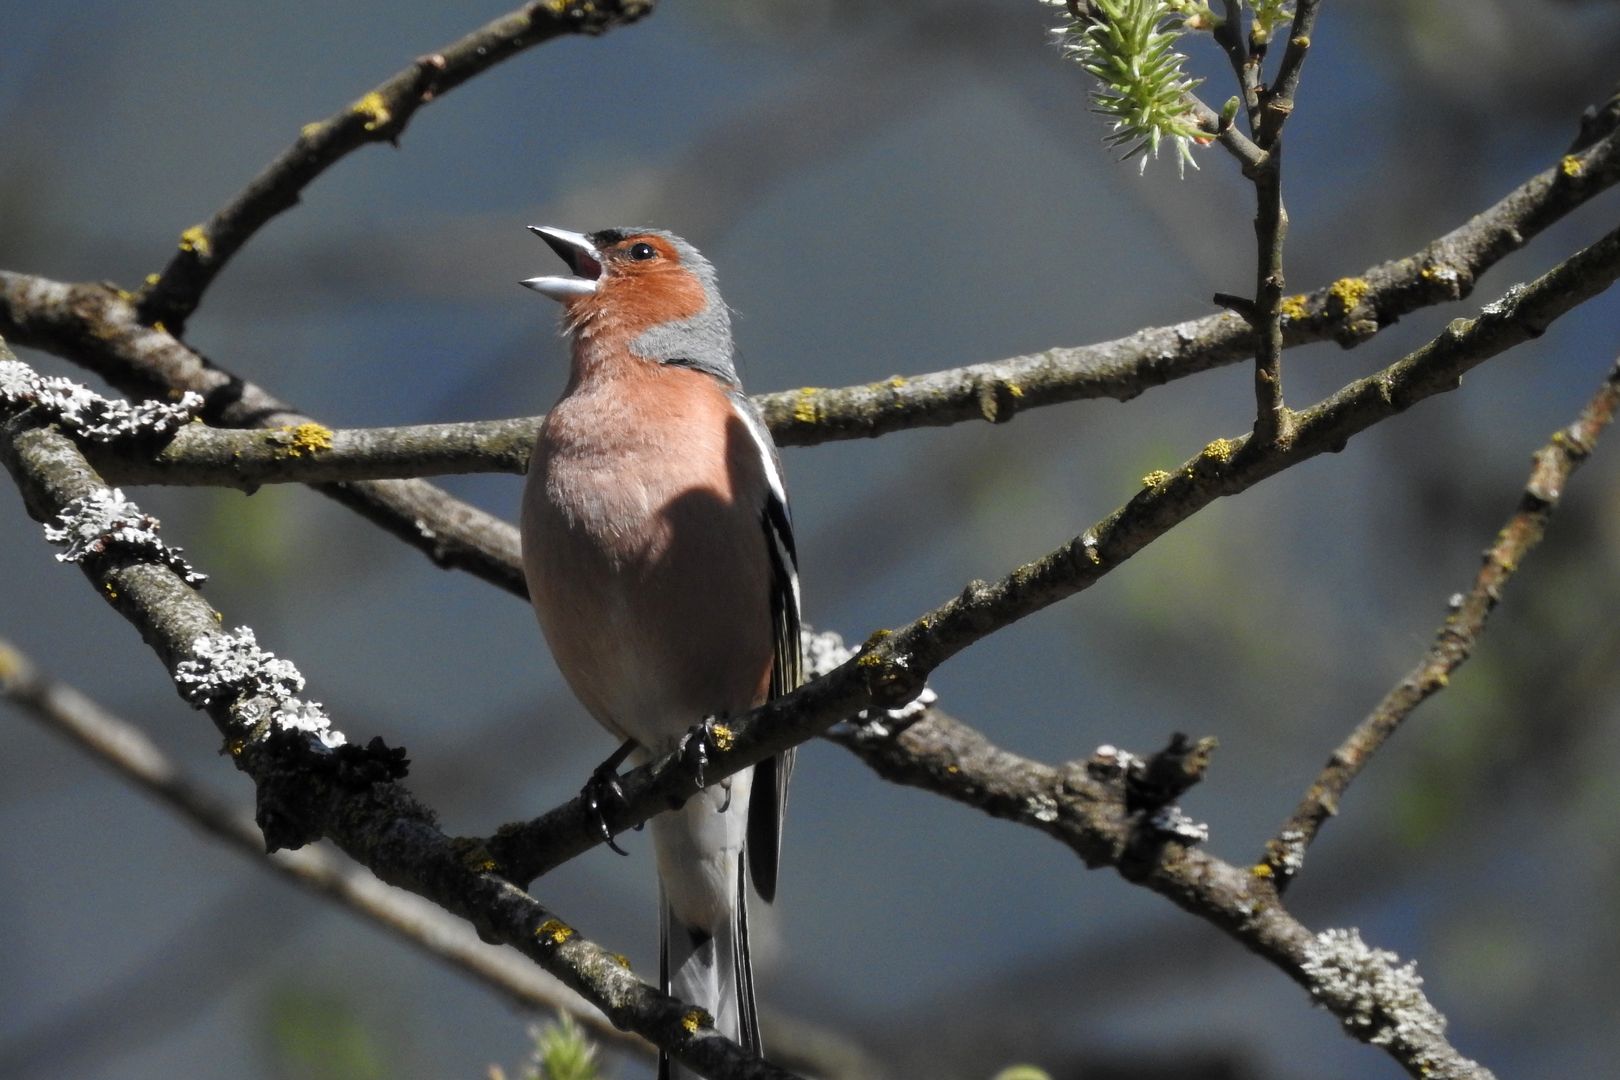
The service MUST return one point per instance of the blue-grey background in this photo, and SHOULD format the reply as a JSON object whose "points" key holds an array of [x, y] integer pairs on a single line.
{"points": [[885, 189]]}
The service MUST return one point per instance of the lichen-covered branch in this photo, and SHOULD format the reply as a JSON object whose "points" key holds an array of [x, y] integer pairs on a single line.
{"points": [[1086, 806], [1455, 640], [379, 115], [98, 328], [125, 749], [309, 787]]}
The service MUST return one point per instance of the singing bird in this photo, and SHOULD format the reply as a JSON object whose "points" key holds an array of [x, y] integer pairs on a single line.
{"points": [[659, 557]]}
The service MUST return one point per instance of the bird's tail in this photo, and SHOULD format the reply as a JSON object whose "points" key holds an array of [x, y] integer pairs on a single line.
{"points": [[711, 971]]}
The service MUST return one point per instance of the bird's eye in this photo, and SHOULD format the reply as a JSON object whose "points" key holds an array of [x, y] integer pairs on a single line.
{"points": [[642, 252]]}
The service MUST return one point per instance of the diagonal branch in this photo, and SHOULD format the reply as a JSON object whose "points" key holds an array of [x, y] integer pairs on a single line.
{"points": [[893, 665], [1455, 640], [125, 749], [1084, 805], [380, 115]]}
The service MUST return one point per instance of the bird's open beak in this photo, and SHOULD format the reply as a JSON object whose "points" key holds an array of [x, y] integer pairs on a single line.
{"points": [[582, 258]]}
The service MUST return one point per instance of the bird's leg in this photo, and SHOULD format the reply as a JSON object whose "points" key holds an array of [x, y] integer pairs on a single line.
{"points": [[603, 784]]}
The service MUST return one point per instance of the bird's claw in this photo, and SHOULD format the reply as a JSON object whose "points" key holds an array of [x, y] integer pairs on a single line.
{"points": [[603, 785], [695, 749]]}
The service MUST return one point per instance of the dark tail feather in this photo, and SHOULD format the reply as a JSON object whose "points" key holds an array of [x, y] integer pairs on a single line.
{"points": [[766, 809], [713, 972]]}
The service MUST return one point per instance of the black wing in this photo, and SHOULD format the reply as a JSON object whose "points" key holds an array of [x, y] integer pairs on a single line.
{"points": [[768, 803]]}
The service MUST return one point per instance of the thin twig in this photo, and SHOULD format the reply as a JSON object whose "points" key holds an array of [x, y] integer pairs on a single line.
{"points": [[1272, 421], [1279, 100], [1455, 640], [1268, 108], [1228, 34], [380, 115]]}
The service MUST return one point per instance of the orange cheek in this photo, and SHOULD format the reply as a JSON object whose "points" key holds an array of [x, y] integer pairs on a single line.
{"points": [[651, 299]]}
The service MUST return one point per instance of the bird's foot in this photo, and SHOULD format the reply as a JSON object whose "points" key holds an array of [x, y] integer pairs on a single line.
{"points": [[696, 746], [602, 786]]}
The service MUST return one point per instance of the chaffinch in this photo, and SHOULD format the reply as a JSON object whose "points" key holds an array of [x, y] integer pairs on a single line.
{"points": [[659, 556]]}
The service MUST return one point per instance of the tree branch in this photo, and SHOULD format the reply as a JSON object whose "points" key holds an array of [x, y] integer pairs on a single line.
{"points": [[1278, 105], [1350, 311], [380, 115], [1085, 805], [312, 454], [1455, 640], [98, 328], [893, 665], [126, 750], [1268, 109]]}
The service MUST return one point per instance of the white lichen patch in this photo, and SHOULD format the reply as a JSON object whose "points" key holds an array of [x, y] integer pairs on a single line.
{"points": [[104, 520], [1109, 761], [825, 650], [1374, 998], [310, 717], [1172, 821], [232, 667], [1290, 853], [80, 410], [1043, 808]]}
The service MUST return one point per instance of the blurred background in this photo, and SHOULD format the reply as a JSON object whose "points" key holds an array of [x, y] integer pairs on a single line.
{"points": [[885, 189]]}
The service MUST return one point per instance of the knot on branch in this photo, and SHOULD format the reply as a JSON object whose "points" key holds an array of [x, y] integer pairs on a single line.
{"points": [[825, 650], [1149, 789], [1160, 779], [295, 780], [887, 671], [999, 399]]}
